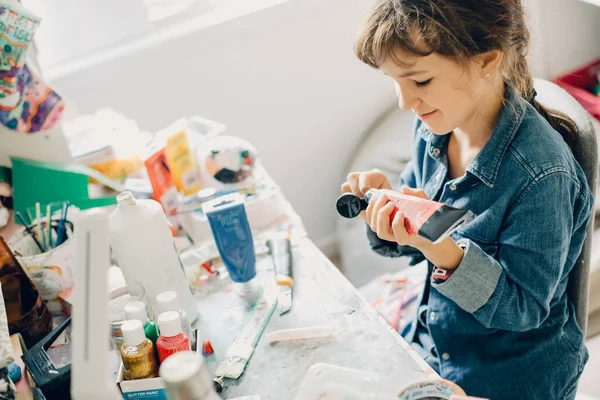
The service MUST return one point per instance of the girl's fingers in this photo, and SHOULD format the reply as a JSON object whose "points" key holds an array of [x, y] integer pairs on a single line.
{"points": [[384, 230], [399, 230], [378, 203], [414, 192], [352, 181]]}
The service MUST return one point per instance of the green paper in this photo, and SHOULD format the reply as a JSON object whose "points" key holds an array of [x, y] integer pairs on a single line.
{"points": [[52, 182]]}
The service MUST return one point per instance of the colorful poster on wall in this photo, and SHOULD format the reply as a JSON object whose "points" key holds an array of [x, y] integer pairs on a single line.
{"points": [[27, 104]]}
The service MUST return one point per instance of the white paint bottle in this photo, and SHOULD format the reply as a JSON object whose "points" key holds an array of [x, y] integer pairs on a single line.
{"points": [[141, 240]]}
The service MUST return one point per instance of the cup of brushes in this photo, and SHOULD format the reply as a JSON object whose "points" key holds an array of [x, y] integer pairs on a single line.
{"points": [[45, 250]]}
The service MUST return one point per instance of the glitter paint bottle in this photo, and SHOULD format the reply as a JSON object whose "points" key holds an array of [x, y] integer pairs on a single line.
{"points": [[137, 352], [171, 340]]}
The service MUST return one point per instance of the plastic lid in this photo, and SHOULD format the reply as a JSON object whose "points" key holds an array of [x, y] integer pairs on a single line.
{"points": [[136, 310], [181, 366], [206, 193], [167, 301], [169, 323], [186, 377], [126, 199], [349, 205], [133, 332]]}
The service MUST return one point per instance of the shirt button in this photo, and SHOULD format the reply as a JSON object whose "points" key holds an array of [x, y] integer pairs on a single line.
{"points": [[446, 356], [435, 151], [432, 316], [453, 187]]}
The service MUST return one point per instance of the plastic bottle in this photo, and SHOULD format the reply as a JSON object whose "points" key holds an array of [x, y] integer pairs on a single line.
{"points": [[169, 301], [171, 340], [186, 377], [143, 247], [137, 352], [137, 310]]}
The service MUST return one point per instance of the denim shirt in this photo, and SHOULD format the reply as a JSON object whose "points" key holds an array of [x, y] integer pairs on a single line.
{"points": [[502, 326]]}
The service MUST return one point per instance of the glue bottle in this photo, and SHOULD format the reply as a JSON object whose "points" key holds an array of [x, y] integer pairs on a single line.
{"points": [[168, 301], [171, 340], [143, 247]]}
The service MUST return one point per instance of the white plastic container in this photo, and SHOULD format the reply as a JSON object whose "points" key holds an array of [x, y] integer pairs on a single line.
{"points": [[327, 381], [143, 246]]}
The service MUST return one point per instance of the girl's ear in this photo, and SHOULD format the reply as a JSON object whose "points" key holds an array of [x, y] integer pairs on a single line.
{"points": [[490, 63]]}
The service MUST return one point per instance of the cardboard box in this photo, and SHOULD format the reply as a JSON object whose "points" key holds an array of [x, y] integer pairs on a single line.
{"points": [[153, 388]]}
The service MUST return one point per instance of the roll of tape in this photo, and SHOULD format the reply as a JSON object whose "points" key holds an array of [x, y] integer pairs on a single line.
{"points": [[430, 389]]}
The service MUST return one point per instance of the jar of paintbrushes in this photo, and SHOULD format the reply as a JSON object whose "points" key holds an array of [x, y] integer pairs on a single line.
{"points": [[45, 249]]}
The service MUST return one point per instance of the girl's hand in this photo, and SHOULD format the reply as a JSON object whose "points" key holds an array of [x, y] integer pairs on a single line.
{"points": [[359, 183], [446, 254], [378, 217], [414, 192]]}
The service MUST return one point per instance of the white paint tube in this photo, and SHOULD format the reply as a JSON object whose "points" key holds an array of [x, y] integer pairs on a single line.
{"points": [[298, 334]]}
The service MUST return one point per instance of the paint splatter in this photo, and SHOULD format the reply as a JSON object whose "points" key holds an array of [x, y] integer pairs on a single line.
{"points": [[349, 310]]}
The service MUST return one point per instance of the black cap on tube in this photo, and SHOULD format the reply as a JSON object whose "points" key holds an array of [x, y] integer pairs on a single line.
{"points": [[350, 205]]}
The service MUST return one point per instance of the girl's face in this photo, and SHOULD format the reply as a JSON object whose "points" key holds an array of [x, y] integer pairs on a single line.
{"points": [[442, 93]]}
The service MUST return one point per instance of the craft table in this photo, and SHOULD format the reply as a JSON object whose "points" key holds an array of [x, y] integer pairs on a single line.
{"points": [[322, 297]]}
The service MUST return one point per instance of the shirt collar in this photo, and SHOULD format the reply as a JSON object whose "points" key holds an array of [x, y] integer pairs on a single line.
{"points": [[486, 164]]}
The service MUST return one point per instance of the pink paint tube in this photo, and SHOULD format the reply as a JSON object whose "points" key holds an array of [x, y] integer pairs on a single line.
{"points": [[429, 219]]}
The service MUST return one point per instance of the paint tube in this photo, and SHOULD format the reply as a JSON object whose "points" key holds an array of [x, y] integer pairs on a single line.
{"points": [[299, 334], [232, 234], [429, 219]]}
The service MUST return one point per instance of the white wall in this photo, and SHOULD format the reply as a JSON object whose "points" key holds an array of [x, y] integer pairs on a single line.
{"points": [[565, 35], [287, 80]]}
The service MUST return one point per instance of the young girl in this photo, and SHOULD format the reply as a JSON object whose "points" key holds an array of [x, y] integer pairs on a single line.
{"points": [[494, 315]]}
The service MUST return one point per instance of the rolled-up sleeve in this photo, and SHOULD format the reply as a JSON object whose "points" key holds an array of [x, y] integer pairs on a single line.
{"points": [[513, 291]]}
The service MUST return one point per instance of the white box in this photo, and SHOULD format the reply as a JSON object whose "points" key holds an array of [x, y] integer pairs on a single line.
{"points": [[153, 388]]}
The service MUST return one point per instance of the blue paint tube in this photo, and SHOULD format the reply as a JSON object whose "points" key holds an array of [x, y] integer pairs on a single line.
{"points": [[232, 234]]}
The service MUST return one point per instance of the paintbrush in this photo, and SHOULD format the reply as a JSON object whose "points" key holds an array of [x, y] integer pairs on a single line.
{"points": [[49, 226], [61, 232], [40, 225], [28, 229]]}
